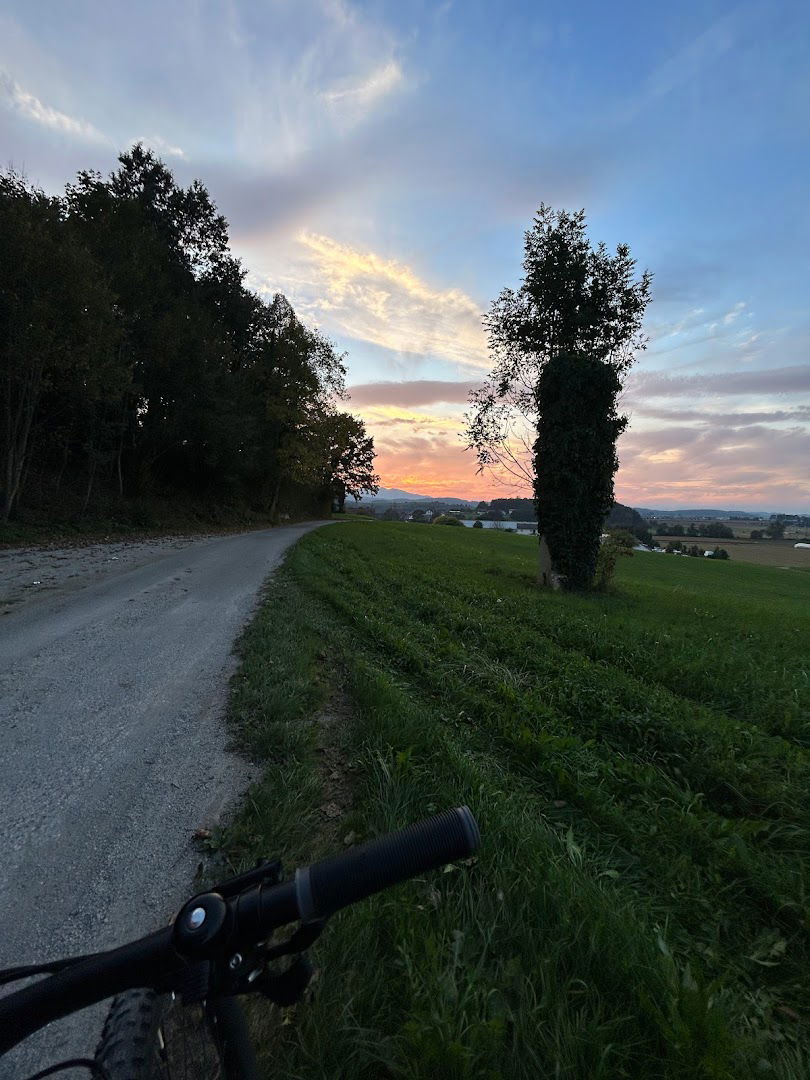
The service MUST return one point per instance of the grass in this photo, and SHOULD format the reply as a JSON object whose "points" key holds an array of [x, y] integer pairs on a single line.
{"points": [[638, 764]]}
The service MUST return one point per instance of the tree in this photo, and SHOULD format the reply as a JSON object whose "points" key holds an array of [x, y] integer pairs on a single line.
{"points": [[756, 534], [562, 343], [717, 529], [478, 525], [622, 538], [56, 324], [775, 529], [348, 458]]}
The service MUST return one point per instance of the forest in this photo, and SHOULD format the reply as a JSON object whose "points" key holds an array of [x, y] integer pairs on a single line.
{"points": [[135, 364]]}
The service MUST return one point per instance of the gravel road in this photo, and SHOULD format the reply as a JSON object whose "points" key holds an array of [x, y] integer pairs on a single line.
{"points": [[112, 689]]}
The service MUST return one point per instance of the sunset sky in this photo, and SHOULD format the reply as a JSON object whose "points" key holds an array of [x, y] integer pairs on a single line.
{"points": [[379, 162]]}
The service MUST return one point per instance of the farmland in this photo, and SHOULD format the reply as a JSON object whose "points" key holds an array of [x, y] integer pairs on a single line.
{"points": [[638, 763], [760, 552]]}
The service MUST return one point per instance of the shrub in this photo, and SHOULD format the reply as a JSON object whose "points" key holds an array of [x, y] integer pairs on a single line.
{"points": [[623, 537], [478, 525], [609, 552], [445, 519], [719, 553]]}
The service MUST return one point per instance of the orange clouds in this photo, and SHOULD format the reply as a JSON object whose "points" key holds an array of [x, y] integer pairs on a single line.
{"points": [[745, 459]]}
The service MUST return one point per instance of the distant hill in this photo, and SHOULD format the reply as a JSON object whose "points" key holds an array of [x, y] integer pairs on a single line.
{"points": [[397, 495], [393, 493], [701, 514], [625, 517]]}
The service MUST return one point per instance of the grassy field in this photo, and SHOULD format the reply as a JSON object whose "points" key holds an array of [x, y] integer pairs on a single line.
{"points": [[779, 553], [637, 761]]}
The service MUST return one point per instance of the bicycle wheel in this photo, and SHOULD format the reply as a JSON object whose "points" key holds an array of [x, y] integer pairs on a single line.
{"points": [[148, 1036]]}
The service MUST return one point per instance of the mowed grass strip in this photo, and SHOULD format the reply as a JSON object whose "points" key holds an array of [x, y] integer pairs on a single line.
{"points": [[638, 764]]}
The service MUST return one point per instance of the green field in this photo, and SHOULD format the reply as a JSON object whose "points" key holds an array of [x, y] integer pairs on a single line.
{"points": [[638, 763]]}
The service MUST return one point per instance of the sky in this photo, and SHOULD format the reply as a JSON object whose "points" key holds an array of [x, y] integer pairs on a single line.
{"points": [[379, 163]]}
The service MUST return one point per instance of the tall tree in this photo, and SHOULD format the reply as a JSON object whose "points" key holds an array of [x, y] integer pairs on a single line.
{"points": [[56, 322], [348, 458], [562, 343]]}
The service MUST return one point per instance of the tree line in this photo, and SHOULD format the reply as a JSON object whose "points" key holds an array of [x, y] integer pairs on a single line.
{"points": [[135, 362]]}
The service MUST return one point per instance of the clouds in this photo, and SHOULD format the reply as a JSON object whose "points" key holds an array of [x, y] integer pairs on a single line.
{"points": [[794, 379], [414, 393], [756, 466], [363, 94], [17, 99], [367, 297]]}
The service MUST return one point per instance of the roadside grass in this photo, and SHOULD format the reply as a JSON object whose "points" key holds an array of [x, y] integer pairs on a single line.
{"points": [[638, 764]]}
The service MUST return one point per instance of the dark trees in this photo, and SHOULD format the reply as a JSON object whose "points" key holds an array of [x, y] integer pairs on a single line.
{"points": [[56, 327], [134, 361], [562, 343]]}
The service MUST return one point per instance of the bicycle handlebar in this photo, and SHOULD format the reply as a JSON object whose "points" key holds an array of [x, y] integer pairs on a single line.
{"points": [[317, 892], [340, 880]]}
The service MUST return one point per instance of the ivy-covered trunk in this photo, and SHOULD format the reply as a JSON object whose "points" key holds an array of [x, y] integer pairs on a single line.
{"points": [[575, 462]]}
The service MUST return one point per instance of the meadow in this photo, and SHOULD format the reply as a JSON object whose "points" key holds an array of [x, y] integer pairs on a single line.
{"points": [[638, 763]]}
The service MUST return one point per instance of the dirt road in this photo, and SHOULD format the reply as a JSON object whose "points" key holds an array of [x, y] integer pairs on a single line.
{"points": [[112, 691]]}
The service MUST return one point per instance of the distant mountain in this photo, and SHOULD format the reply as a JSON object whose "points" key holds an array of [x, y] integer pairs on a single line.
{"points": [[700, 514], [397, 495], [393, 493]]}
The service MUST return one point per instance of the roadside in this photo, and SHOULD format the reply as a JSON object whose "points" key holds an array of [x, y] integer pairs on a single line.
{"points": [[27, 573]]}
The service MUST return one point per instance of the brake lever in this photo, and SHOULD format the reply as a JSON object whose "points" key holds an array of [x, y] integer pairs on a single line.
{"points": [[248, 974], [300, 940], [290, 986], [265, 872]]}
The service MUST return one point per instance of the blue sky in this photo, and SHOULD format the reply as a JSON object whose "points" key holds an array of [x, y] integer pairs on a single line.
{"points": [[379, 162]]}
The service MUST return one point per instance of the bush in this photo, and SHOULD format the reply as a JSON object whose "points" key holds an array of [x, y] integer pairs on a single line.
{"points": [[756, 534], [478, 525], [445, 519], [623, 537], [719, 553], [609, 552]]}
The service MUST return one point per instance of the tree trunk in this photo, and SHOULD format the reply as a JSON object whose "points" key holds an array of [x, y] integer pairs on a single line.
{"points": [[89, 490], [274, 501], [63, 466], [18, 430]]}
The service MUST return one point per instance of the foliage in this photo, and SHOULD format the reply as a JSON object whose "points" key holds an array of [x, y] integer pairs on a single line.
{"points": [[617, 544], [638, 763], [58, 339], [478, 525], [562, 343], [446, 519], [137, 364], [696, 528], [775, 529], [719, 553], [622, 538], [757, 534]]}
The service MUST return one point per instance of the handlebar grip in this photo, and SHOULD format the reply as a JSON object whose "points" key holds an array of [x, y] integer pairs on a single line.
{"points": [[339, 880]]}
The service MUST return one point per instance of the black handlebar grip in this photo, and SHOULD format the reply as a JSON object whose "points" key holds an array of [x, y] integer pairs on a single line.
{"points": [[334, 882]]}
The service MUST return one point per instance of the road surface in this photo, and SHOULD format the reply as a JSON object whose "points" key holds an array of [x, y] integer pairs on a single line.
{"points": [[114, 753]]}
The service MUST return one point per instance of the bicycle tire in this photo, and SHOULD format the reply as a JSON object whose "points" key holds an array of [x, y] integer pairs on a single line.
{"points": [[149, 1036]]}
